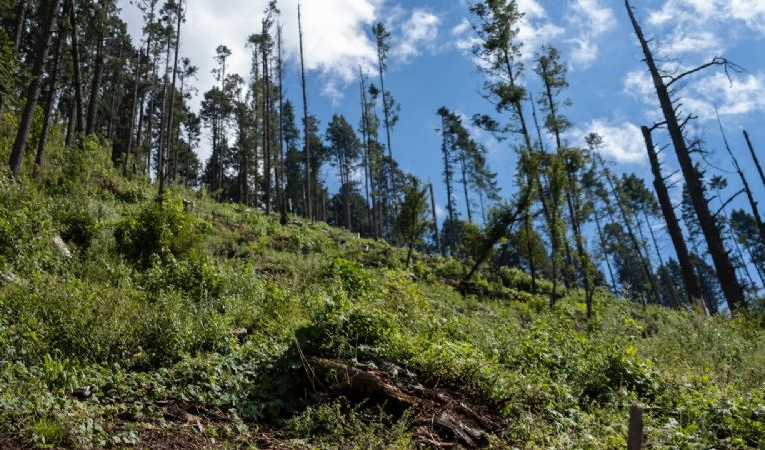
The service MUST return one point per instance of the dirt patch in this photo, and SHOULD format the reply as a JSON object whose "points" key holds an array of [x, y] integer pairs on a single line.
{"points": [[442, 418]]}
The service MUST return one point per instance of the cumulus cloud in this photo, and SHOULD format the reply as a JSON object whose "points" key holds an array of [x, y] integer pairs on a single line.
{"points": [[750, 12], [591, 19], [623, 142], [336, 34], [418, 32]]}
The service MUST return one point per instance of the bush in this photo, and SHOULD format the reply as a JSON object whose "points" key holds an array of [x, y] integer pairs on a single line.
{"points": [[160, 228], [347, 331], [196, 276]]}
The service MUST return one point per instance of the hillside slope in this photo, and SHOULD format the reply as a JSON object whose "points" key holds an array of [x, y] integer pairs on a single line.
{"points": [[191, 324]]}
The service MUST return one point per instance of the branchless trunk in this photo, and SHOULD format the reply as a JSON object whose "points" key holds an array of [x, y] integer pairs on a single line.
{"points": [[602, 239], [308, 176], [386, 114], [463, 164], [283, 218], [691, 281], [754, 157], [138, 67], [50, 12], [267, 177], [98, 71], [634, 240], [52, 91], [164, 135], [79, 126], [448, 178], [726, 273], [116, 95], [436, 237], [171, 120], [368, 169], [365, 143]]}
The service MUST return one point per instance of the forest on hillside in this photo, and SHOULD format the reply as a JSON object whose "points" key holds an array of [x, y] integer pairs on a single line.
{"points": [[71, 71], [298, 289]]}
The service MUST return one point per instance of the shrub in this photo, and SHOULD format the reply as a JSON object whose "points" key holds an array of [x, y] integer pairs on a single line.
{"points": [[196, 276], [347, 331], [161, 228]]}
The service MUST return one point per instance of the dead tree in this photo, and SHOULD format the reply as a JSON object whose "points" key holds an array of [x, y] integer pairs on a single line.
{"points": [[309, 196], [726, 272], [745, 182], [754, 157], [437, 238], [692, 286]]}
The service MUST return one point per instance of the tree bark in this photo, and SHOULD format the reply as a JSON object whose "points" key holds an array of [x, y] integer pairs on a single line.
{"points": [[692, 286], [98, 71], [75, 48], [35, 85], [52, 90], [309, 196], [754, 157], [435, 219], [281, 191], [171, 120], [726, 273]]}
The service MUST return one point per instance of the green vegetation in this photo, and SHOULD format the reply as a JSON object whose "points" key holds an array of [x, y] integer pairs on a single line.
{"points": [[195, 324]]}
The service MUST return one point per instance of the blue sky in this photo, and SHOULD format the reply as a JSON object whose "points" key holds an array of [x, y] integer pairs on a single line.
{"points": [[431, 66]]}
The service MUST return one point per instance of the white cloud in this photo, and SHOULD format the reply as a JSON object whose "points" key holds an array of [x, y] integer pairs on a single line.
{"points": [[591, 20], [683, 42], [750, 12], [639, 85], [418, 32], [741, 95], [336, 34], [623, 142]]}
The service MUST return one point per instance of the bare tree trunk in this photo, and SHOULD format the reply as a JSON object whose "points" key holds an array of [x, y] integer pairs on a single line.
{"points": [[726, 273], [635, 434], [754, 157], [35, 85], [98, 71], [365, 131], [52, 90], [602, 239], [116, 94], [78, 101], [283, 218], [435, 219], [309, 196], [131, 129], [171, 120], [691, 281], [267, 117]]}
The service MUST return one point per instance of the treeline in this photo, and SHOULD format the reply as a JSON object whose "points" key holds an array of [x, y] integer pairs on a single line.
{"points": [[573, 222]]}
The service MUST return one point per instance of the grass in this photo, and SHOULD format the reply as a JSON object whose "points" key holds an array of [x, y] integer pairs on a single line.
{"points": [[165, 311]]}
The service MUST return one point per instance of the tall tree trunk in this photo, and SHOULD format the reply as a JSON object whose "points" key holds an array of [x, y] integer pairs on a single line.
{"points": [[98, 71], [164, 134], [691, 281], [79, 126], [283, 218], [602, 239], [266, 117], [463, 163], [308, 177], [448, 179], [754, 157], [386, 115], [365, 132], [50, 11], [726, 273], [437, 238], [52, 91], [171, 120], [633, 239], [138, 67], [116, 95]]}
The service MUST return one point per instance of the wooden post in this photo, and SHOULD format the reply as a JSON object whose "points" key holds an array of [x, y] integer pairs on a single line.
{"points": [[635, 436]]}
